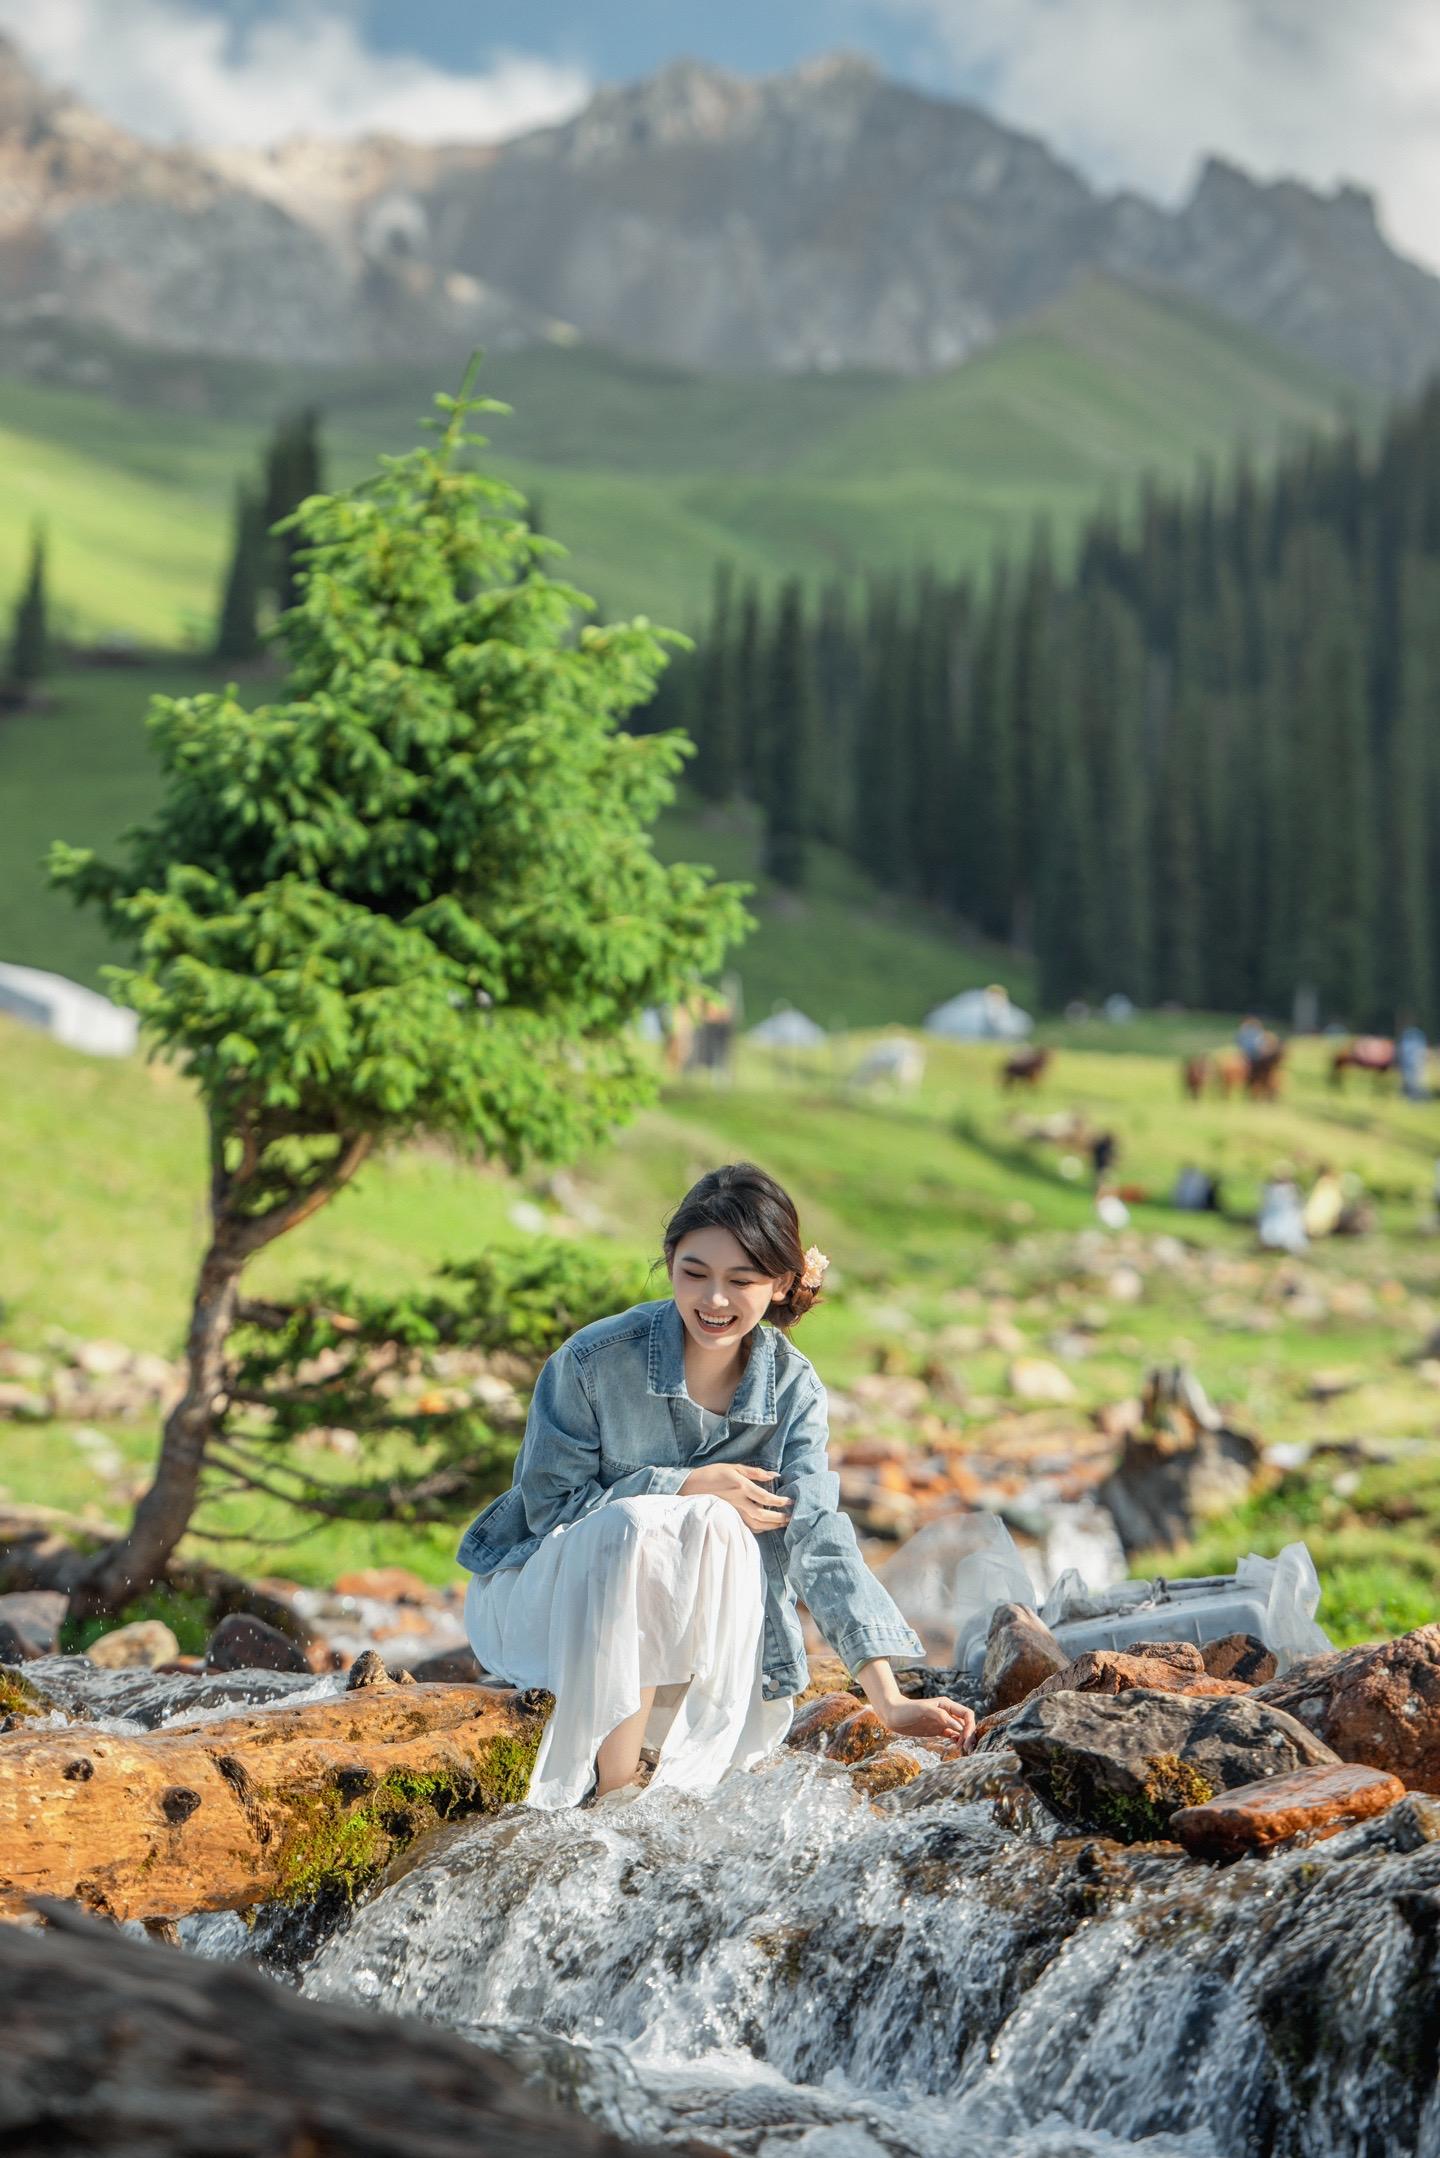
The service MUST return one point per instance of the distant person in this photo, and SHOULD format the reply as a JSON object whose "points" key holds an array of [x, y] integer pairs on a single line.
{"points": [[1250, 1039], [1280, 1224], [1195, 1192], [1410, 1055]]}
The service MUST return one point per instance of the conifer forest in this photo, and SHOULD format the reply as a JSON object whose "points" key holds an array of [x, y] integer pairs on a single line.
{"points": [[1197, 762]]}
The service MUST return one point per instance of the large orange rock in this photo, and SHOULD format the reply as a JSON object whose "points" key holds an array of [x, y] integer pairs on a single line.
{"points": [[819, 1716], [1020, 1651], [1379, 1704], [1256, 1816], [856, 1737]]}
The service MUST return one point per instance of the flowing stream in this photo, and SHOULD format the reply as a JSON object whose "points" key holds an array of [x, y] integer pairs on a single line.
{"points": [[783, 1966]]}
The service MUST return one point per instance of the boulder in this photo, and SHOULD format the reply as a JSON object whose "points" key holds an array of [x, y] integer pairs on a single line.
{"points": [[1256, 1816], [36, 1615], [1182, 1656], [1379, 1704], [1240, 1655], [458, 1666], [812, 1722], [1124, 1763], [1020, 1651], [1034, 1378], [1182, 1467], [147, 1643], [15, 1647], [1106, 1670], [887, 1771], [243, 1643], [855, 1737]]}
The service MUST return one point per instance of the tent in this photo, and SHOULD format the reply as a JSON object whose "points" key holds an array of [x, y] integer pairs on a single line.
{"points": [[787, 1029], [980, 1015], [72, 1015]]}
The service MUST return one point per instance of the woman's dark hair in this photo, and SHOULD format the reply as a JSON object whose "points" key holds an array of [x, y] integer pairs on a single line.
{"points": [[760, 1215]]}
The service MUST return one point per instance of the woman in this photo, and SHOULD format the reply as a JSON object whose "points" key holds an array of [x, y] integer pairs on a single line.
{"points": [[671, 1500]]}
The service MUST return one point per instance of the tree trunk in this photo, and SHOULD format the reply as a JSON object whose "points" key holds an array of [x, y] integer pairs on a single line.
{"points": [[115, 2045], [126, 1568], [263, 1807]]}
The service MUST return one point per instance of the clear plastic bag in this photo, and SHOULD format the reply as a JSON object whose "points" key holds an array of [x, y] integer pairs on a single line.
{"points": [[1274, 1599]]}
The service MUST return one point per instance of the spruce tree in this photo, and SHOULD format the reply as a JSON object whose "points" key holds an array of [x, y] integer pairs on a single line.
{"points": [[714, 721], [293, 473], [237, 634], [793, 746], [30, 633]]}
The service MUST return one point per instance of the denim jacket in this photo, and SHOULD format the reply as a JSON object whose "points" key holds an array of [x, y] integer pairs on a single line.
{"points": [[611, 1418]]}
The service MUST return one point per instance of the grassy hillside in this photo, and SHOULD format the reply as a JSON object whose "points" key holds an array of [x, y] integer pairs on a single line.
{"points": [[81, 770], [649, 473], [947, 1225]]}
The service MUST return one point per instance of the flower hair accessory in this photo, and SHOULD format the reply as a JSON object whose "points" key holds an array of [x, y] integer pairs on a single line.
{"points": [[815, 1265]]}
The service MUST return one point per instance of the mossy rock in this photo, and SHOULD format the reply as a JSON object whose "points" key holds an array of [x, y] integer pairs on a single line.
{"points": [[19, 1697]]}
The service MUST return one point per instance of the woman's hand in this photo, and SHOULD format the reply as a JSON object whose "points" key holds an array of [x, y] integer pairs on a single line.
{"points": [[937, 1718], [929, 1719], [744, 1487]]}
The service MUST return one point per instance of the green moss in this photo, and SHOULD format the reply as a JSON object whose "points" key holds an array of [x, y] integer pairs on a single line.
{"points": [[1141, 1816], [339, 1842], [19, 1698]]}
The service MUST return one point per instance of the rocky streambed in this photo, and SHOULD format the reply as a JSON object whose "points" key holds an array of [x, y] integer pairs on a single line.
{"points": [[1160, 1910]]}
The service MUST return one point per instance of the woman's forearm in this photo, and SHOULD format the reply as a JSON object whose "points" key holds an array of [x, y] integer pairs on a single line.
{"points": [[878, 1680]]}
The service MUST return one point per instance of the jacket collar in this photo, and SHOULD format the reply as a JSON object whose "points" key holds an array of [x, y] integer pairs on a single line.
{"points": [[754, 1401]]}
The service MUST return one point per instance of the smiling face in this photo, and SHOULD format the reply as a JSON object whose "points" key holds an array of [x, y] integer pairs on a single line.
{"points": [[719, 1292]]}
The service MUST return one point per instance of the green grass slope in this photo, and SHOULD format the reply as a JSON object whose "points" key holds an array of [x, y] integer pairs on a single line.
{"points": [[649, 473], [936, 1210], [81, 770]]}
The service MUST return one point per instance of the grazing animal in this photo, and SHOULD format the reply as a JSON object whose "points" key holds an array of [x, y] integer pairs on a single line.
{"points": [[1262, 1076], [898, 1063], [1026, 1067], [1373, 1053], [1230, 1070], [1194, 1076]]}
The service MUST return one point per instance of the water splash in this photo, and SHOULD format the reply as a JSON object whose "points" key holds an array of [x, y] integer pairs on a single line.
{"points": [[782, 1966]]}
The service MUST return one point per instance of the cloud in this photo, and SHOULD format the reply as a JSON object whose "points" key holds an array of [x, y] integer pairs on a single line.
{"points": [[168, 71], [1135, 92]]}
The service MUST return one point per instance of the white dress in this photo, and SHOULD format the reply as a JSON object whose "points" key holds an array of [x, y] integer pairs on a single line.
{"points": [[656, 1591]]}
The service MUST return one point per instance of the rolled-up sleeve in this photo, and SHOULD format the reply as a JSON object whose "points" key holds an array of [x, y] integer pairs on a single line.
{"points": [[858, 1617], [558, 1472]]}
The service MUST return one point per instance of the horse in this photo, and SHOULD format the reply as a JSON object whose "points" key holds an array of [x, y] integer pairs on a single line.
{"points": [[1374, 1053]]}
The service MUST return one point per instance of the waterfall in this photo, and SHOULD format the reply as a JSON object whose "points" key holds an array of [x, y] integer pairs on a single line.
{"points": [[783, 1965]]}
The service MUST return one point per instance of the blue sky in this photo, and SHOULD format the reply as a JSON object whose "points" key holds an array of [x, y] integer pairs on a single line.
{"points": [[1133, 92]]}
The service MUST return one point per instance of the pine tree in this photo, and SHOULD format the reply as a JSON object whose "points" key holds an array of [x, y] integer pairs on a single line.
{"points": [[790, 763], [1068, 946], [293, 473], [30, 634], [989, 835], [714, 722], [237, 634]]}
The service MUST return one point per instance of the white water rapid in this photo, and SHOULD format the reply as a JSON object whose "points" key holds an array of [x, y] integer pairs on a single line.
{"points": [[783, 1967]]}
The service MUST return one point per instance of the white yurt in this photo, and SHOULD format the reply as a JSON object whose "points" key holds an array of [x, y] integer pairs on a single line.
{"points": [[980, 1015], [78, 1017], [787, 1029]]}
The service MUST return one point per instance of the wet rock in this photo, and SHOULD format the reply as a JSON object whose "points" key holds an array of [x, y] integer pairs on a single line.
{"points": [[1239, 1655], [962, 1783], [1124, 1763], [1034, 1378], [1182, 1656], [14, 1646], [458, 1666], [812, 1722], [144, 1645], [243, 1643], [1257, 1816], [828, 1674], [1020, 1651], [855, 1737], [887, 1771], [389, 1584], [1379, 1704]]}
